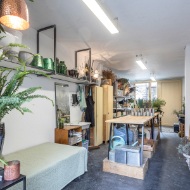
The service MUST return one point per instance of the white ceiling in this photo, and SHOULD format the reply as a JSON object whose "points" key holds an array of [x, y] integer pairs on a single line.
{"points": [[159, 30]]}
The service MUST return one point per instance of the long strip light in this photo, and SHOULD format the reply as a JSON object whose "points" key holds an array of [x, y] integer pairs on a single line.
{"points": [[100, 14], [152, 78], [141, 65]]}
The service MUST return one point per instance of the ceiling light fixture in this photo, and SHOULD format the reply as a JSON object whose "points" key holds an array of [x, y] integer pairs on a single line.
{"points": [[100, 14], [152, 77], [140, 63], [14, 14]]}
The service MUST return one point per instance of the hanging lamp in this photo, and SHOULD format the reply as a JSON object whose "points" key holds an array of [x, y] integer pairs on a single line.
{"points": [[14, 14]]}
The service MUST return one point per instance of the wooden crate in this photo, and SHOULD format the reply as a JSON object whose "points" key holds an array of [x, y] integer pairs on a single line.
{"points": [[148, 154], [126, 170]]}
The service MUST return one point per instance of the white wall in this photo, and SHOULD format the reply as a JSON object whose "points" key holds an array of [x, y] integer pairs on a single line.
{"points": [[187, 90], [27, 130]]}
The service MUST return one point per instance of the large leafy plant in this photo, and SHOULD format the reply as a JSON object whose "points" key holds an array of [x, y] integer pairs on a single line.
{"points": [[10, 82]]}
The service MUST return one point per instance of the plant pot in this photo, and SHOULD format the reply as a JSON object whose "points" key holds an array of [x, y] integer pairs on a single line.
{"points": [[187, 159], [2, 137], [12, 170]]}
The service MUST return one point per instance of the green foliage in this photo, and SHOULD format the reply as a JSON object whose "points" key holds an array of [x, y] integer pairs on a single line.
{"points": [[10, 82], [122, 83], [10, 98], [184, 146], [157, 104]]}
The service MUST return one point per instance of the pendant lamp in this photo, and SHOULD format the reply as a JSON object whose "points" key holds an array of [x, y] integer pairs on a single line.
{"points": [[14, 14]]}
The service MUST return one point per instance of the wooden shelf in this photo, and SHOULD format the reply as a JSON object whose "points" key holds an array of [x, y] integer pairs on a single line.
{"points": [[62, 135], [12, 65]]}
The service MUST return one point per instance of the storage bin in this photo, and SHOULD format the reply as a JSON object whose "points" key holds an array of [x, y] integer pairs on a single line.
{"points": [[128, 154], [120, 155], [176, 127]]}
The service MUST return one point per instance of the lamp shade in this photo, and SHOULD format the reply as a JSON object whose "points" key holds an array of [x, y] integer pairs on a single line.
{"points": [[14, 14]]}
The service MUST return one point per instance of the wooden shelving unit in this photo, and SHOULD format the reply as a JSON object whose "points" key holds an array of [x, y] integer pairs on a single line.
{"points": [[62, 135]]}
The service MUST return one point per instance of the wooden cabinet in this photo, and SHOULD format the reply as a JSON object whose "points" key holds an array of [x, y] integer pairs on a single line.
{"points": [[62, 135], [107, 109], [98, 114]]}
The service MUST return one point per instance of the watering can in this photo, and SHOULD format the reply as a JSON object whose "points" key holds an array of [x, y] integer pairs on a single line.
{"points": [[117, 141]]}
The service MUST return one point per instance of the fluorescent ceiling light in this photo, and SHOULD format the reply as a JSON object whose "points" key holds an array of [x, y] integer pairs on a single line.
{"points": [[141, 65], [100, 14], [152, 78]]}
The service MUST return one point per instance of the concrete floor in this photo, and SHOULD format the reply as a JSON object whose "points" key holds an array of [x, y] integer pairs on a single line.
{"points": [[167, 171]]}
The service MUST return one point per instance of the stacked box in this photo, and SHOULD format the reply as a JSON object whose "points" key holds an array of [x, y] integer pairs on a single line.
{"points": [[112, 155], [128, 155], [120, 155]]}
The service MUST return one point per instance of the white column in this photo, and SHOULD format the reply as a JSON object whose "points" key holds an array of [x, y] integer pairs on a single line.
{"points": [[187, 89]]}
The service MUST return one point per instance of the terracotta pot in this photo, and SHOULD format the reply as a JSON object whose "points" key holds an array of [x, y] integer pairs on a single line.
{"points": [[12, 170]]}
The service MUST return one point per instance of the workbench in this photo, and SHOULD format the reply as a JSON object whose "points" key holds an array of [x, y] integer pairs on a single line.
{"points": [[132, 120]]}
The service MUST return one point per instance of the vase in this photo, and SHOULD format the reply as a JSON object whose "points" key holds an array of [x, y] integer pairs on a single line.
{"points": [[2, 137], [12, 170], [187, 159]]}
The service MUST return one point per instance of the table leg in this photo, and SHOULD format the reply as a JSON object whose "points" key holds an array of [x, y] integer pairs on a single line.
{"points": [[152, 127], [24, 183], [111, 128], [142, 143], [127, 133]]}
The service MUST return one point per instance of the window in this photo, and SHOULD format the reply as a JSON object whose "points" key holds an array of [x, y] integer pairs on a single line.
{"points": [[146, 91]]}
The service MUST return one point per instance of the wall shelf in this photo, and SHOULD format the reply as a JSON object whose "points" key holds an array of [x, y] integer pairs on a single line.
{"points": [[13, 65]]}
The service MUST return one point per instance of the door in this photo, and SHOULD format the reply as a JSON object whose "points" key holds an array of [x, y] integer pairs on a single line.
{"points": [[171, 92]]}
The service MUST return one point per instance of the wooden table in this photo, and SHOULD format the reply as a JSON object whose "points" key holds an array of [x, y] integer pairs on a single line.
{"points": [[135, 120]]}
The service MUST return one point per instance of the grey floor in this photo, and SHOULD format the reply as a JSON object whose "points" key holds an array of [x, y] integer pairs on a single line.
{"points": [[167, 171]]}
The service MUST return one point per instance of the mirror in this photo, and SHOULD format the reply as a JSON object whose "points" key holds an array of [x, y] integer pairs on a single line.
{"points": [[83, 63], [62, 102], [42, 34]]}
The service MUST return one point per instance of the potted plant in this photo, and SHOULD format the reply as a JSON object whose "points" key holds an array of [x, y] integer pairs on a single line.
{"points": [[157, 104], [184, 149]]}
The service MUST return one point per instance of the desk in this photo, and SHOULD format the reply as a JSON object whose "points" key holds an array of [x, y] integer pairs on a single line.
{"points": [[135, 120], [6, 184]]}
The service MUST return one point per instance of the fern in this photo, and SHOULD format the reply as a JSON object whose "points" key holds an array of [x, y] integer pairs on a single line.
{"points": [[10, 98]]}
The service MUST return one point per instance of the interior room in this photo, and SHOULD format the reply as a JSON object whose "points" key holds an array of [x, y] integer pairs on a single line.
{"points": [[94, 94]]}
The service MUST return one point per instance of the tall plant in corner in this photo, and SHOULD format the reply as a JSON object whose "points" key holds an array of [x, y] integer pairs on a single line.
{"points": [[10, 95]]}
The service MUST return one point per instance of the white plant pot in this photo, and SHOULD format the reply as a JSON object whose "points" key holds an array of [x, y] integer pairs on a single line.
{"points": [[187, 159]]}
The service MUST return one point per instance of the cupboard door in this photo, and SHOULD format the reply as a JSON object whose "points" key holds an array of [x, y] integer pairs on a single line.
{"points": [[109, 109], [99, 115]]}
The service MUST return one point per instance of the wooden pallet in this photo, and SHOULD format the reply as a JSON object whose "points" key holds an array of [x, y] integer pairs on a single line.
{"points": [[126, 170]]}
